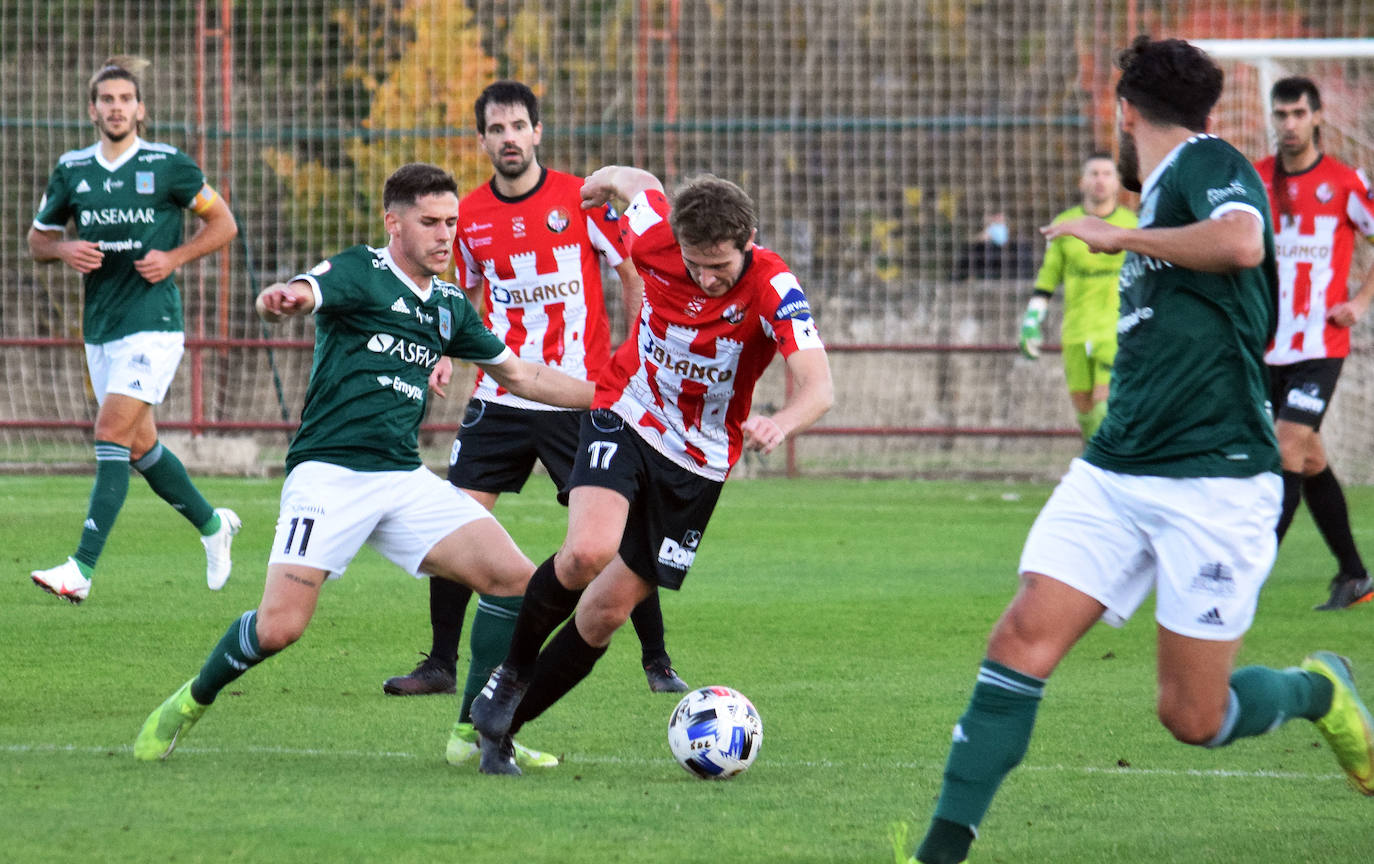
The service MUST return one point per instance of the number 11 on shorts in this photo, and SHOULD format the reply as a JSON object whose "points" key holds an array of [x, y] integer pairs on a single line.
{"points": [[305, 526]]}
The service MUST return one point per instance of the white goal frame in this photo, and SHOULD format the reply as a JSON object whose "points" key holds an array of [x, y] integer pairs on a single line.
{"points": [[1263, 54]]}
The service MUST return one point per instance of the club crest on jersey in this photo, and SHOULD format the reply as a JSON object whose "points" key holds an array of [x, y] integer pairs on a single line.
{"points": [[143, 182], [1324, 193], [733, 313], [558, 220], [445, 323]]}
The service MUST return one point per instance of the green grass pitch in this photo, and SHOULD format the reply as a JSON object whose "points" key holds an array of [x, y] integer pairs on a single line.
{"points": [[852, 613]]}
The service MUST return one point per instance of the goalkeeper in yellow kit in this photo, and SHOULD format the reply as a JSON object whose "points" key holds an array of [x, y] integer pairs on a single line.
{"points": [[1088, 334]]}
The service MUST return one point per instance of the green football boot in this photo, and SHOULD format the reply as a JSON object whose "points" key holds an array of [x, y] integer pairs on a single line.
{"points": [[462, 746], [165, 726], [1346, 726]]}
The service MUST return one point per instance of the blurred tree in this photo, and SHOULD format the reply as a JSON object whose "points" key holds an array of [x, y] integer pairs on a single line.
{"points": [[419, 109]]}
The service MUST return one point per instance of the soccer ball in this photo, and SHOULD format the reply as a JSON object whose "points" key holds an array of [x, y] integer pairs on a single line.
{"points": [[715, 733]]}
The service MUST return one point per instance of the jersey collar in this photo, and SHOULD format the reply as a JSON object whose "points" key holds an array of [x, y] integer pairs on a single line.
{"points": [[543, 175], [384, 253], [1148, 186], [123, 157]]}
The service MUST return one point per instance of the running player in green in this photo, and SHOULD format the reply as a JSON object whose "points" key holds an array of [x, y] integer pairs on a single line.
{"points": [[126, 196], [1088, 335], [383, 319], [1178, 492]]}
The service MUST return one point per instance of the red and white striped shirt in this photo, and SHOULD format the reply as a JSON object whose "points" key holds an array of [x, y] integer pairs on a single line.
{"points": [[536, 259], [684, 378], [1314, 242]]}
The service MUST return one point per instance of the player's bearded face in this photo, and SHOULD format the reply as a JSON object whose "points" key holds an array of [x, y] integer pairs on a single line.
{"points": [[116, 111], [510, 139], [1129, 163]]}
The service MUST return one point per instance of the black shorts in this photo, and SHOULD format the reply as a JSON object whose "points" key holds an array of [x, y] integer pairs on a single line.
{"points": [[669, 505], [497, 446], [1301, 392]]}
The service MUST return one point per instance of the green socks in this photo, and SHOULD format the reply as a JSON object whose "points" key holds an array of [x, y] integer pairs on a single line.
{"points": [[989, 740], [107, 498], [168, 478], [488, 642], [1263, 698], [236, 652]]}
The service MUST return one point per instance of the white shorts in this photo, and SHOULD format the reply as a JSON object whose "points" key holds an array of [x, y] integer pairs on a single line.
{"points": [[329, 512], [141, 365], [1205, 544]]}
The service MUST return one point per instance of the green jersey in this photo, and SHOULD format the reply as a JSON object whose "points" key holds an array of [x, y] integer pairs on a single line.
{"points": [[129, 207], [377, 336], [1189, 388], [1089, 280]]}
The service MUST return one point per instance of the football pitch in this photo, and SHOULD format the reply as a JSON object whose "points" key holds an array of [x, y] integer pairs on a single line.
{"points": [[853, 614]]}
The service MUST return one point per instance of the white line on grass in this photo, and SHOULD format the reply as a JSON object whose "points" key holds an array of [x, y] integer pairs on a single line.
{"points": [[311, 752]]}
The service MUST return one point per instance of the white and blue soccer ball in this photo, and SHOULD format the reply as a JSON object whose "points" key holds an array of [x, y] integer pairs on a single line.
{"points": [[715, 733]]}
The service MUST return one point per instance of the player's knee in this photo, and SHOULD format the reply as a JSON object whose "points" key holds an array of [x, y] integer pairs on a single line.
{"points": [[1187, 724], [277, 631], [579, 561], [598, 621]]}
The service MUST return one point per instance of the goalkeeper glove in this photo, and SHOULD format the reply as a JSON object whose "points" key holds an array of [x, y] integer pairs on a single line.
{"points": [[1030, 326]]}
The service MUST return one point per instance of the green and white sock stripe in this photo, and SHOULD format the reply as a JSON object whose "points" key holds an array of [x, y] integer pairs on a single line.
{"points": [[149, 459], [107, 452], [247, 638], [488, 606], [1005, 678]]}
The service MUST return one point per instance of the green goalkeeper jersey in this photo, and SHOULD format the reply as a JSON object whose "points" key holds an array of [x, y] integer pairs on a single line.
{"points": [[1089, 280], [377, 337], [128, 207], [1189, 387]]}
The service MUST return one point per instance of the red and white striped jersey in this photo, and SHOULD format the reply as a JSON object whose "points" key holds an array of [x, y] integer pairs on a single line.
{"points": [[1314, 242], [536, 258], [684, 378]]}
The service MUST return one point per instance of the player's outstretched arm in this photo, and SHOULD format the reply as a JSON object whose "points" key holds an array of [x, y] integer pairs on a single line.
{"points": [[83, 256], [541, 383], [1230, 242], [284, 299], [812, 395], [616, 184], [216, 230]]}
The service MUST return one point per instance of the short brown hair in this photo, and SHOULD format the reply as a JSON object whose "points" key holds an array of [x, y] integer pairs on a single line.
{"points": [[1169, 81], [415, 180], [708, 211]]}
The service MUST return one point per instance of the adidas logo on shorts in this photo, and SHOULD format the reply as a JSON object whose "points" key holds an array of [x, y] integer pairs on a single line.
{"points": [[1211, 616]]}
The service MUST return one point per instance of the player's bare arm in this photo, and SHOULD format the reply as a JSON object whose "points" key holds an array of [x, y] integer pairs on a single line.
{"points": [[616, 184], [541, 383], [83, 256], [1347, 313], [284, 299], [216, 230], [631, 290], [440, 376], [812, 396], [1230, 242]]}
